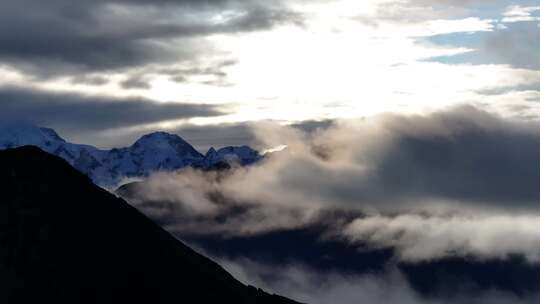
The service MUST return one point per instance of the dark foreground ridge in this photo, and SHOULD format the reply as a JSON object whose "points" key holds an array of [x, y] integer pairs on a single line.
{"points": [[65, 240]]}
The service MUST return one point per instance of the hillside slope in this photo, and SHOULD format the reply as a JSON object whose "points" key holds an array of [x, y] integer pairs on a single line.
{"points": [[65, 240]]}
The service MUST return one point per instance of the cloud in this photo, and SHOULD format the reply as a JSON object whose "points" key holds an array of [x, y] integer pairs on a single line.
{"points": [[462, 177], [75, 114], [517, 13], [136, 82], [421, 238], [210, 74], [237, 134], [217, 136], [90, 80], [311, 286], [465, 156], [392, 209], [192, 202], [63, 37]]}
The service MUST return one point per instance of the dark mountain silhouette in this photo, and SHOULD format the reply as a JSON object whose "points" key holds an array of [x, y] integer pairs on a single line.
{"points": [[65, 240]]}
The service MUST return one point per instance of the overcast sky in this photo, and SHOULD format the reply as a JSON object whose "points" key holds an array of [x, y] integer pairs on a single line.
{"points": [[202, 63]]}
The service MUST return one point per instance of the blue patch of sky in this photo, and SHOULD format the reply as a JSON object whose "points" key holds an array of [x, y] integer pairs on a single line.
{"points": [[523, 36], [474, 41]]}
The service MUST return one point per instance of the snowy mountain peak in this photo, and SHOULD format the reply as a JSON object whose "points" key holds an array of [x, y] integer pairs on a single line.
{"points": [[242, 155], [211, 152], [52, 134], [13, 134], [160, 138], [158, 151], [166, 143]]}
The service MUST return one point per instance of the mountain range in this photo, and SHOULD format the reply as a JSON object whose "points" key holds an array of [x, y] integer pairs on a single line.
{"points": [[158, 151], [63, 239]]}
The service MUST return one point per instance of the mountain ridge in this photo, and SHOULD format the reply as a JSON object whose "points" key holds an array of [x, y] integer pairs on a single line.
{"points": [[66, 240], [156, 151]]}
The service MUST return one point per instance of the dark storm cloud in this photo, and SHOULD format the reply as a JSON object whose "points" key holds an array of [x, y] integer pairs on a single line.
{"points": [[89, 80], [79, 113], [464, 155], [310, 126], [60, 37], [214, 73], [136, 82]]}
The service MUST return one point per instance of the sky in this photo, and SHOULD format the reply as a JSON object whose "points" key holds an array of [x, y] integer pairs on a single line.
{"points": [[410, 125], [104, 72]]}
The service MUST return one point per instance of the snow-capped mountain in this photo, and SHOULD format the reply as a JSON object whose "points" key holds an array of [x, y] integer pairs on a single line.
{"points": [[157, 151], [242, 155]]}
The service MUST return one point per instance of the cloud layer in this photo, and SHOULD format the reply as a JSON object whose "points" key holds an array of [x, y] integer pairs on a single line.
{"points": [[80, 115], [452, 183], [311, 286], [59, 37], [418, 237]]}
